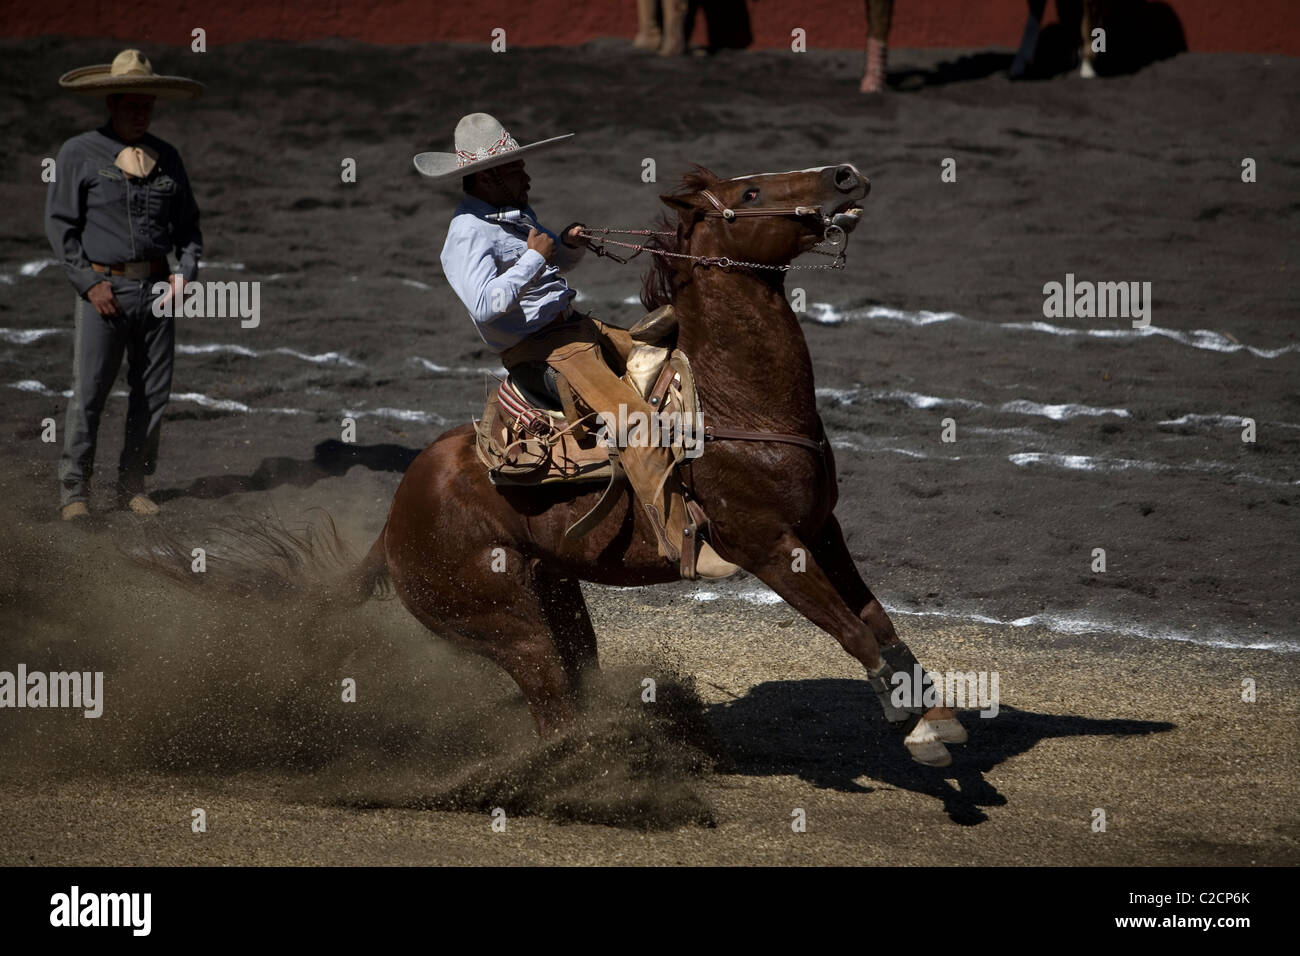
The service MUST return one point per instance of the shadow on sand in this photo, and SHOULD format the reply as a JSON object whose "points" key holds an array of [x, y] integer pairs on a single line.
{"points": [[329, 460], [830, 733]]}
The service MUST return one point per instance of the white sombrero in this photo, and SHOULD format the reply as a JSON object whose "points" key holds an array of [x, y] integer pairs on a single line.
{"points": [[481, 143], [130, 72]]}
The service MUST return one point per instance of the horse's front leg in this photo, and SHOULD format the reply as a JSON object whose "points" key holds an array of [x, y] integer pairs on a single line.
{"points": [[833, 557], [793, 571]]}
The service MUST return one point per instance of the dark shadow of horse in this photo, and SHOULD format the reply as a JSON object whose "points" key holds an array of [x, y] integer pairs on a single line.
{"points": [[330, 459], [829, 733]]}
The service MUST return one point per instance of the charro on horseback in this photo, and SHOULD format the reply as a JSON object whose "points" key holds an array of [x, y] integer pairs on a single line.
{"points": [[491, 557], [569, 372]]}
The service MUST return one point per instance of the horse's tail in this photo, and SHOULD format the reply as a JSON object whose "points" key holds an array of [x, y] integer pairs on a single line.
{"points": [[369, 578], [265, 556]]}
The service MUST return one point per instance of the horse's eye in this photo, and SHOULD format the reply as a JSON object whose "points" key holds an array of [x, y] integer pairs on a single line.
{"points": [[750, 195]]}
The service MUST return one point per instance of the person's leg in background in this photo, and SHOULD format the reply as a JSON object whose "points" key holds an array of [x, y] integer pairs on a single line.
{"points": [[99, 342], [648, 36], [149, 353], [674, 41], [879, 15]]}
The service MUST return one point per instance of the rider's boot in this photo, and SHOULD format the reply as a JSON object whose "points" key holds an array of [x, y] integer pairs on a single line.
{"points": [[650, 467]]}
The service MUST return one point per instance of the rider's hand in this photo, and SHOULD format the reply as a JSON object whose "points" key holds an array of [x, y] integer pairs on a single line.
{"points": [[101, 297], [573, 237], [542, 243]]}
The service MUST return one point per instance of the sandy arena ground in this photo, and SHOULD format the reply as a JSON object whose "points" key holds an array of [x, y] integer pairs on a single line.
{"points": [[1120, 691]]}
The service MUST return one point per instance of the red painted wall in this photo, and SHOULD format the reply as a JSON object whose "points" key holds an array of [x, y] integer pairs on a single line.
{"points": [[1258, 26]]}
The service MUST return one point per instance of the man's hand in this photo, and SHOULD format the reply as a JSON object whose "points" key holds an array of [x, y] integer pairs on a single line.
{"points": [[101, 297], [542, 243], [573, 236], [175, 289]]}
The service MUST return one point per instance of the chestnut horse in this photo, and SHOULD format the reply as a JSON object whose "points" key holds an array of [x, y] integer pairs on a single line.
{"points": [[489, 567]]}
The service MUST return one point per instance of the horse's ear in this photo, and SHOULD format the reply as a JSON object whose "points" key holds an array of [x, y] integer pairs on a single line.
{"points": [[682, 204]]}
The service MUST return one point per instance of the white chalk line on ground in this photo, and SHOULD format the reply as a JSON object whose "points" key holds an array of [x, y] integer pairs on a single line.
{"points": [[1112, 465], [1058, 622], [415, 416], [230, 405], [1019, 406], [431, 366], [825, 313], [31, 336], [1057, 412], [196, 398], [27, 336], [1069, 462], [324, 358]]}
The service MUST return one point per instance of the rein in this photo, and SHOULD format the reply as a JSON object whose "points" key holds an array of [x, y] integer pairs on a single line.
{"points": [[832, 234]]}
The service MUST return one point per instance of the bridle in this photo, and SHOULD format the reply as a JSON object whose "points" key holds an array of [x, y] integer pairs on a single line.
{"points": [[832, 233]]}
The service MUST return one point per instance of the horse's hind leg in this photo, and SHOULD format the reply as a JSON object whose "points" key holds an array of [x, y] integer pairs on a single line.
{"points": [[570, 624], [503, 616]]}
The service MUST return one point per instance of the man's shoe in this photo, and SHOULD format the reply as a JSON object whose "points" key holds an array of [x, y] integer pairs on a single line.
{"points": [[140, 504], [74, 510]]}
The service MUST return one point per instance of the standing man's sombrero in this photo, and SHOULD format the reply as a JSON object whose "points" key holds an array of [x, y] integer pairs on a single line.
{"points": [[130, 72], [481, 143]]}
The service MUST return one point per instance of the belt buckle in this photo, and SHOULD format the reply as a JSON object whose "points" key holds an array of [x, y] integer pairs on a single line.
{"points": [[137, 270]]}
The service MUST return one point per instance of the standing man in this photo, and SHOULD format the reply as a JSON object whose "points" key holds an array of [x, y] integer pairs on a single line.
{"points": [[119, 203]]}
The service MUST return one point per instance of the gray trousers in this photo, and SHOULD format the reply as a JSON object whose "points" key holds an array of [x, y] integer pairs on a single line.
{"points": [[148, 343]]}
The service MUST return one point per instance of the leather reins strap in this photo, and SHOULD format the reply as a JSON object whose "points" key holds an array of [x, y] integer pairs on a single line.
{"points": [[726, 213]]}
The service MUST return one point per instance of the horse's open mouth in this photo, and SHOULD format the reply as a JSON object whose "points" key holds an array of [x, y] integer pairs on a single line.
{"points": [[846, 219]]}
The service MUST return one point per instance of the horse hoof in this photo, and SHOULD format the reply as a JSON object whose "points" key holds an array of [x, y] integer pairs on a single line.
{"points": [[950, 731], [925, 745]]}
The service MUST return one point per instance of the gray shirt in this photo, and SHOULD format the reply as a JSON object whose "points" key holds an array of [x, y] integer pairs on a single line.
{"points": [[94, 212]]}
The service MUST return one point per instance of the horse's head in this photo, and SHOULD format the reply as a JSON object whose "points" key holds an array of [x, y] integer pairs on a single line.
{"points": [[767, 217]]}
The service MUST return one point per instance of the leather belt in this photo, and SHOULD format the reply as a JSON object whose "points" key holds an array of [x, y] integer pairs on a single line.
{"points": [[145, 269]]}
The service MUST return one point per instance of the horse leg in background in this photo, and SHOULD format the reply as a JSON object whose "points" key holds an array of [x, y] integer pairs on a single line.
{"points": [[811, 592], [503, 616], [1089, 17], [832, 555], [1029, 39]]}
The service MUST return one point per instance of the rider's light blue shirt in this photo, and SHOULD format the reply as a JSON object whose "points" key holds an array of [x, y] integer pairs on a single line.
{"points": [[510, 290]]}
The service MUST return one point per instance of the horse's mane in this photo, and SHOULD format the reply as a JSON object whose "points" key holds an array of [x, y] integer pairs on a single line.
{"points": [[667, 274]]}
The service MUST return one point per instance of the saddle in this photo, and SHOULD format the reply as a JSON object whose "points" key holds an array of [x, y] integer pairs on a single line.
{"points": [[523, 440]]}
